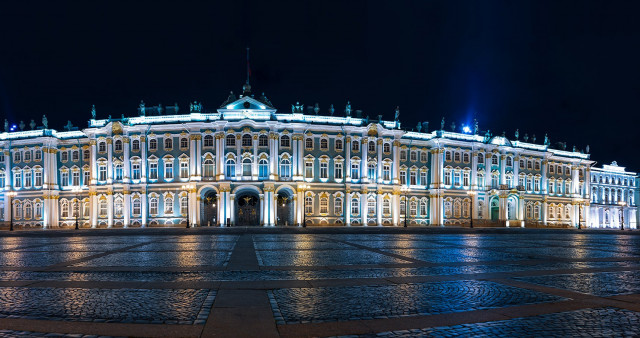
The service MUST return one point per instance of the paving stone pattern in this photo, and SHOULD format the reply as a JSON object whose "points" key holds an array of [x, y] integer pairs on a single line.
{"points": [[606, 322], [383, 301], [320, 282]]}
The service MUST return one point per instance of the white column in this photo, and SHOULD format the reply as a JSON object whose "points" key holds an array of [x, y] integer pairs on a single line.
{"points": [[396, 162], [127, 208], [488, 172], [347, 169], [143, 164], [231, 207], [219, 154], [474, 170], [127, 162], [239, 175], [144, 202], [379, 206], [380, 146], [192, 158], [395, 211], [503, 162], [575, 181], [363, 207], [516, 172], [109, 209], [544, 212], [294, 161], [347, 208], [94, 164], [93, 208], [109, 160], [254, 169], [521, 210], [300, 157], [263, 207], [364, 172], [198, 157], [544, 183]]}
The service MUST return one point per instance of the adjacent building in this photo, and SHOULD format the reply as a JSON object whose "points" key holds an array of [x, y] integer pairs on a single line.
{"points": [[248, 164]]}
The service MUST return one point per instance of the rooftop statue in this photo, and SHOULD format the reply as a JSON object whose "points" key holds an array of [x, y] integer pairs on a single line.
{"points": [[331, 110], [6, 125], [419, 127], [347, 109], [160, 109], [546, 140], [45, 122], [517, 134], [533, 138], [196, 107], [587, 149], [442, 124], [93, 111], [526, 137], [475, 127], [176, 108], [32, 124], [69, 126], [142, 108], [453, 126], [21, 125], [425, 126], [397, 116], [316, 108]]}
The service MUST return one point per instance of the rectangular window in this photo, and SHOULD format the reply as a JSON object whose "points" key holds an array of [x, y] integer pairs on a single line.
{"points": [[338, 171], [135, 171], [168, 170], [184, 169], [423, 156], [64, 156], [355, 171], [403, 155], [27, 155], [38, 179], [75, 156], [184, 205], [337, 207], [386, 172], [87, 177], [414, 156], [76, 178], [465, 179], [423, 177], [38, 155], [403, 177], [324, 205], [414, 178], [153, 170], [64, 180], [308, 169], [447, 177], [153, 206], [184, 143], [324, 170], [27, 179]]}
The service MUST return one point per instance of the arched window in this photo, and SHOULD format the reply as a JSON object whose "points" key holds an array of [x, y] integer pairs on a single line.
{"points": [[246, 140], [480, 209], [372, 146], [338, 144], [529, 211], [208, 140], [324, 144], [118, 206], [457, 208], [27, 211], [117, 145], [337, 206], [231, 168], [38, 210], [184, 205], [413, 208], [102, 207], [231, 140], [153, 206], [64, 209], [246, 167], [168, 143], [386, 148], [308, 143], [285, 168], [153, 144], [263, 168], [536, 212], [168, 205], [447, 209], [465, 157], [136, 207], [373, 168], [86, 155], [386, 206], [509, 161], [324, 205], [184, 143], [355, 207], [285, 141], [135, 145], [456, 157], [308, 205], [207, 168], [423, 208], [355, 145], [102, 147], [263, 141], [494, 159]]}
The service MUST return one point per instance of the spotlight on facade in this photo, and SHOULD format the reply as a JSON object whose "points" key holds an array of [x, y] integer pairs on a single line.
{"points": [[466, 130]]}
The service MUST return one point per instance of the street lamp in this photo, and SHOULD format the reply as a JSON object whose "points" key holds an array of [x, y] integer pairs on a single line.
{"points": [[11, 195], [405, 191], [76, 191], [187, 187], [622, 204], [472, 194]]}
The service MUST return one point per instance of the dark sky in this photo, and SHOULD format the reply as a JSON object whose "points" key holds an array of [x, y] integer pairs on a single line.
{"points": [[567, 68]]}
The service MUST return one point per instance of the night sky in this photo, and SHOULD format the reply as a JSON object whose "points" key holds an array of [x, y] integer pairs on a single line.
{"points": [[567, 68]]}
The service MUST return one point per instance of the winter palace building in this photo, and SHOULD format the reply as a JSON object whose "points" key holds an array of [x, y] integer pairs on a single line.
{"points": [[248, 164]]}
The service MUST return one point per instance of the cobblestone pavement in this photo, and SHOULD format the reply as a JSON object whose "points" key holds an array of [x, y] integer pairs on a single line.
{"points": [[296, 282], [607, 322]]}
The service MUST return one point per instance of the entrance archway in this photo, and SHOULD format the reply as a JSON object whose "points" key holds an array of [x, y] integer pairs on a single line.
{"points": [[284, 210], [494, 209], [209, 207], [247, 206]]}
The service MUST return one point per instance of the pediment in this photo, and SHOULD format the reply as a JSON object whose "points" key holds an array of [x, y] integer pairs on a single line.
{"points": [[246, 103]]}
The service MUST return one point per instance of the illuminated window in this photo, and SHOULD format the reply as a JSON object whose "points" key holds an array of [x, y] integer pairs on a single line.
{"points": [[231, 140], [337, 206], [246, 140], [285, 141], [263, 141], [208, 141], [184, 143]]}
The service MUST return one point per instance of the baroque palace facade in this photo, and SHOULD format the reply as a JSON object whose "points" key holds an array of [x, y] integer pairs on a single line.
{"points": [[247, 164]]}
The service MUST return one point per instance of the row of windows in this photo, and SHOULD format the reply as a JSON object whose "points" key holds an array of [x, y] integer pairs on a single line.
{"points": [[370, 207], [613, 180]]}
